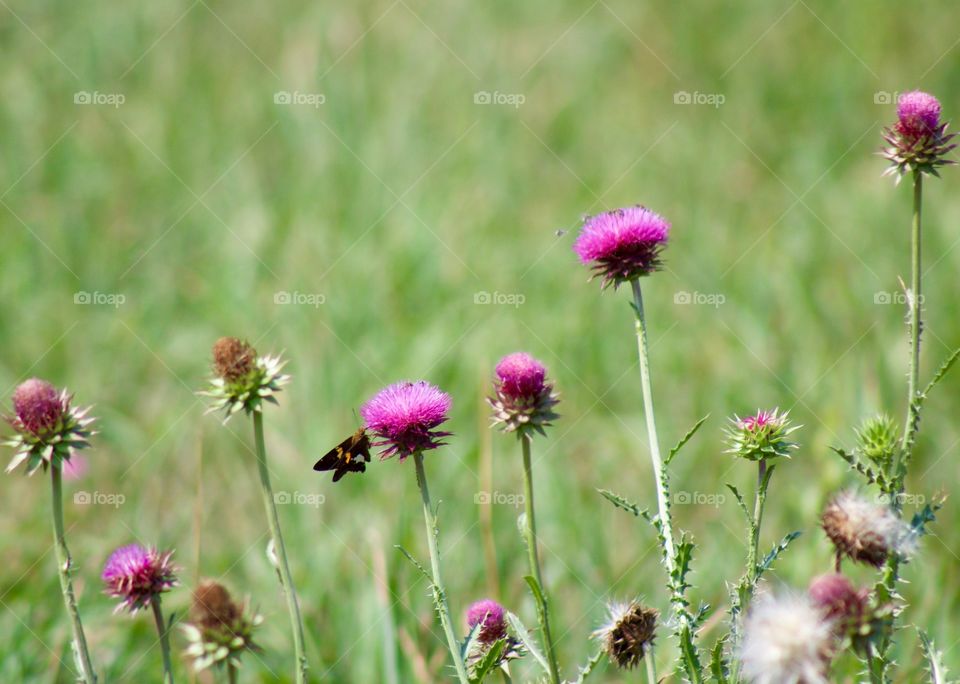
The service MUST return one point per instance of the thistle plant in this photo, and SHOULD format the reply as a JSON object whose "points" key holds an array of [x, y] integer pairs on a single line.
{"points": [[243, 381], [917, 145], [489, 646], [623, 246], [405, 417], [138, 576], [523, 403], [48, 431], [760, 438], [220, 630]]}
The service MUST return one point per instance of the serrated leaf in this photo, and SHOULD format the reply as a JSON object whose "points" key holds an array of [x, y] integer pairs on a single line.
{"points": [[523, 635], [775, 552], [937, 669], [489, 661], [741, 503], [941, 372], [718, 664], [625, 505], [683, 440], [415, 562]]}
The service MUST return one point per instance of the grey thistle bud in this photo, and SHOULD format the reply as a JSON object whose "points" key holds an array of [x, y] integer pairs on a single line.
{"points": [[761, 436], [629, 633], [220, 630], [242, 379], [879, 439], [524, 400], [48, 429]]}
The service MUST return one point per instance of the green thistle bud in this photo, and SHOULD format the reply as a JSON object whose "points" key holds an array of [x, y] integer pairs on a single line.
{"points": [[220, 630], [761, 436], [242, 379], [878, 439]]}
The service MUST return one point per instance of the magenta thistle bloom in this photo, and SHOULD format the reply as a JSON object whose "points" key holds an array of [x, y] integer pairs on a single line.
{"points": [[918, 141], [623, 244], [48, 429], [405, 416], [136, 575], [918, 113], [490, 615], [524, 400]]}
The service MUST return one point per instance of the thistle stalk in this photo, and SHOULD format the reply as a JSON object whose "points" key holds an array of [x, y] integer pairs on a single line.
{"points": [[163, 632], [283, 566], [64, 563], [533, 559], [440, 594], [677, 600]]}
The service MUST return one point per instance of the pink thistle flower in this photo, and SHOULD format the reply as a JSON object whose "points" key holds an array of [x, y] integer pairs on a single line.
{"points": [[48, 429], [837, 596], [523, 400], [491, 616], [918, 141], [404, 415], [623, 244], [918, 113], [760, 436], [38, 406], [136, 575]]}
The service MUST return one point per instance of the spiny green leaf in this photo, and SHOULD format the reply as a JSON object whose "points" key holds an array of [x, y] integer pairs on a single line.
{"points": [[741, 503], [938, 671], [523, 635], [489, 662], [718, 664], [775, 552], [683, 440]]}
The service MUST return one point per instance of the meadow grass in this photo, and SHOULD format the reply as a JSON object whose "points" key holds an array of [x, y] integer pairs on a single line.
{"points": [[400, 201]]}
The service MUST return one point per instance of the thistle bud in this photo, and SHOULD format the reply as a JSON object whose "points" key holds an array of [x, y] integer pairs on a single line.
{"points": [[48, 429], [220, 630], [242, 379], [524, 400], [878, 439], [761, 436]]}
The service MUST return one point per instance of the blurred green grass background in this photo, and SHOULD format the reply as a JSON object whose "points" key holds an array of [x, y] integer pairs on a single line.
{"points": [[399, 201]]}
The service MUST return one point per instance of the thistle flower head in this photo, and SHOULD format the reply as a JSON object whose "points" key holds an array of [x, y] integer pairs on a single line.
{"points": [[242, 379], [786, 640], [623, 244], [853, 615], [628, 633], [405, 416], [865, 531], [490, 615], [136, 575], [48, 430], [761, 436], [220, 630], [918, 141], [523, 400], [878, 439]]}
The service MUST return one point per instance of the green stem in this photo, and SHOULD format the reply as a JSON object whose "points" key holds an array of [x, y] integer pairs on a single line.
{"points": [[678, 601], [651, 667], [440, 594], [533, 558], [64, 563], [164, 640], [903, 457], [232, 673], [286, 580]]}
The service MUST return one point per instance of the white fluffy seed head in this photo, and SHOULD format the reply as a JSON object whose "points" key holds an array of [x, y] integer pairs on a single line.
{"points": [[786, 640], [866, 530]]}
